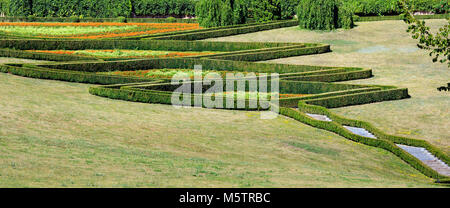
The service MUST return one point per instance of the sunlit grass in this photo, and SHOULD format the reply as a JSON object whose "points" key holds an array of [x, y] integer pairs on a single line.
{"points": [[55, 134], [392, 54]]}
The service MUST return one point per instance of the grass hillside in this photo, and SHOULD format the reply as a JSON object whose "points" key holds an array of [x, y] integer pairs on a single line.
{"points": [[55, 134], [395, 59]]}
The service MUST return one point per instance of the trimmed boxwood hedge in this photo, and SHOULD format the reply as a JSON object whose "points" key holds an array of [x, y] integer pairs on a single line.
{"points": [[70, 76], [229, 31], [42, 56], [303, 107], [90, 19], [360, 98], [380, 143], [174, 45]]}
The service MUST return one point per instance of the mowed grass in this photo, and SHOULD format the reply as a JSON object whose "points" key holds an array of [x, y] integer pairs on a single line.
{"points": [[55, 134], [395, 59]]}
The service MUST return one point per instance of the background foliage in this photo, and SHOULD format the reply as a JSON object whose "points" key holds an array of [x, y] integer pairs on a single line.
{"points": [[261, 10], [215, 13], [392, 7], [324, 15]]}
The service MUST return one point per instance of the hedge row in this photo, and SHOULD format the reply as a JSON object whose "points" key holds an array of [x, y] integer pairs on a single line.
{"points": [[159, 97], [184, 63], [390, 7], [70, 76], [90, 19], [334, 77], [276, 53], [360, 98], [380, 143], [399, 17], [229, 31], [178, 8], [171, 45], [67, 8], [378, 133], [41, 56], [293, 102]]}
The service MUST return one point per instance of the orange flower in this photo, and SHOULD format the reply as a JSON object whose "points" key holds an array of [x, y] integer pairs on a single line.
{"points": [[142, 28]]}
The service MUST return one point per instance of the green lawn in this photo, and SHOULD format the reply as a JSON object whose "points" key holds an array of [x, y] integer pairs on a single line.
{"points": [[56, 134], [386, 48]]}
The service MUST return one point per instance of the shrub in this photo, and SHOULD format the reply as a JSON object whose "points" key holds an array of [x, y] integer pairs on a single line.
{"points": [[31, 18], [74, 18], [122, 19]]}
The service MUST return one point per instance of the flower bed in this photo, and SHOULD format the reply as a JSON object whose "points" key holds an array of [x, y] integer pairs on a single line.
{"points": [[90, 30], [125, 53], [169, 73]]}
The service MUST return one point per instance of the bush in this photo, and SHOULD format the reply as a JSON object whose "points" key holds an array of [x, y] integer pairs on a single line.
{"points": [[74, 18], [215, 13], [122, 19], [31, 18]]}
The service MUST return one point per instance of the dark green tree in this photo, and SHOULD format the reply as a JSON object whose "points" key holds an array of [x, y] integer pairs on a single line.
{"points": [[215, 13], [324, 15]]}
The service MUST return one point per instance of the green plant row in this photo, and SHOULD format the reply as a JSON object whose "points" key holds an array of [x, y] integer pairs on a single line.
{"points": [[184, 63], [360, 98], [90, 19], [307, 108], [399, 17], [293, 102], [334, 77], [169, 45], [69, 76], [276, 53], [160, 97], [220, 32], [42, 56]]}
